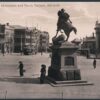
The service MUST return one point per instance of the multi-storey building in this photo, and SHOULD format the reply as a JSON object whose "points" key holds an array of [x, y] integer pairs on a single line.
{"points": [[16, 38], [44, 41], [9, 38], [89, 45], [19, 38], [34, 39]]}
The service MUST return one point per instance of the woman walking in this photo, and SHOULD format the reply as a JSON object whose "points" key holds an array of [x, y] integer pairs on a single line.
{"points": [[21, 66], [94, 63], [43, 74]]}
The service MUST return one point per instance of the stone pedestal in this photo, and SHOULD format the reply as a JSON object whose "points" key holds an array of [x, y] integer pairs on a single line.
{"points": [[64, 63]]}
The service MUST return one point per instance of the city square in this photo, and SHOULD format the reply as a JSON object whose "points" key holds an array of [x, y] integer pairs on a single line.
{"points": [[28, 86], [41, 58]]}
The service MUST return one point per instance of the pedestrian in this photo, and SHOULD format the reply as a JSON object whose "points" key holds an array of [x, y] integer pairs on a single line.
{"points": [[43, 73], [21, 66], [94, 63]]}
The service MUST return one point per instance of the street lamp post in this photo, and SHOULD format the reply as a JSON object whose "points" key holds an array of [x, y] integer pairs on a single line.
{"points": [[41, 44], [3, 49], [21, 44]]}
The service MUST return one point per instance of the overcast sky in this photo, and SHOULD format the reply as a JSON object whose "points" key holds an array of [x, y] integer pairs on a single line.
{"points": [[43, 15]]}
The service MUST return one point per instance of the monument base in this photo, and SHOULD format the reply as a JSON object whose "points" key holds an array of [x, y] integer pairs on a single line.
{"points": [[66, 74], [55, 83], [68, 77], [64, 69]]}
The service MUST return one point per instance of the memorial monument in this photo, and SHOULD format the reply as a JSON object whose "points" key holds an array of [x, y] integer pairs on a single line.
{"points": [[64, 69], [64, 59]]}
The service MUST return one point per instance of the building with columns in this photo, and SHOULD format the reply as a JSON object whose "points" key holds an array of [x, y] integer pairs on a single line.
{"points": [[16, 38]]}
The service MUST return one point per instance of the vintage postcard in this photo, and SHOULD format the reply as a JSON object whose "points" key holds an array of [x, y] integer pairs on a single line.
{"points": [[49, 50]]}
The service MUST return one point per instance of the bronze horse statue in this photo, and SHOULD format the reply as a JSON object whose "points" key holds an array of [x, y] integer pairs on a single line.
{"points": [[67, 27]]}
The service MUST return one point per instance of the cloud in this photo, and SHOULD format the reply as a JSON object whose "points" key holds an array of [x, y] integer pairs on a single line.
{"points": [[82, 14]]}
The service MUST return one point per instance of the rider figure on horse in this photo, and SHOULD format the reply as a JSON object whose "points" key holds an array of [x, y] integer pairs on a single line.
{"points": [[64, 23], [63, 18]]}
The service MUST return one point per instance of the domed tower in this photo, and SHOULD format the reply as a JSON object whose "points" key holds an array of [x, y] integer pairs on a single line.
{"points": [[97, 31]]}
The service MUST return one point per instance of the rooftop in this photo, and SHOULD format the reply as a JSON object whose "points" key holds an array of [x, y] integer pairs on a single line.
{"points": [[18, 27], [89, 39]]}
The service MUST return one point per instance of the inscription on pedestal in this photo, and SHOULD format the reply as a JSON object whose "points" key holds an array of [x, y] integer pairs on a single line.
{"points": [[69, 61]]}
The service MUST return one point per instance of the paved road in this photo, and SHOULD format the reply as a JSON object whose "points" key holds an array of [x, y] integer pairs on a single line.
{"points": [[12, 86]]}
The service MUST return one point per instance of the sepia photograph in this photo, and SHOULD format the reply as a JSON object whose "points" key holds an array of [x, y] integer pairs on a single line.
{"points": [[49, 50]]}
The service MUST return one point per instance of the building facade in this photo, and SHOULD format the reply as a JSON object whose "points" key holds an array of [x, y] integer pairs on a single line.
{"points": [[16, 38], [19, 38], [44, 41], [9, 38], [89, 45]]}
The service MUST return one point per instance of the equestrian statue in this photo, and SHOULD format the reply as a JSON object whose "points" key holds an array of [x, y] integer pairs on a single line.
{"points": [[64, 23]]}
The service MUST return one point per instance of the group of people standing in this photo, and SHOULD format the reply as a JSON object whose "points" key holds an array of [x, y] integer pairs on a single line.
{"points": [[42, 75]]}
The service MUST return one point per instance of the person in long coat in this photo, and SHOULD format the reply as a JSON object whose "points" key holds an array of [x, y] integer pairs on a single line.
{"points": [[94, 63], [43, 74], [21, 66]]}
